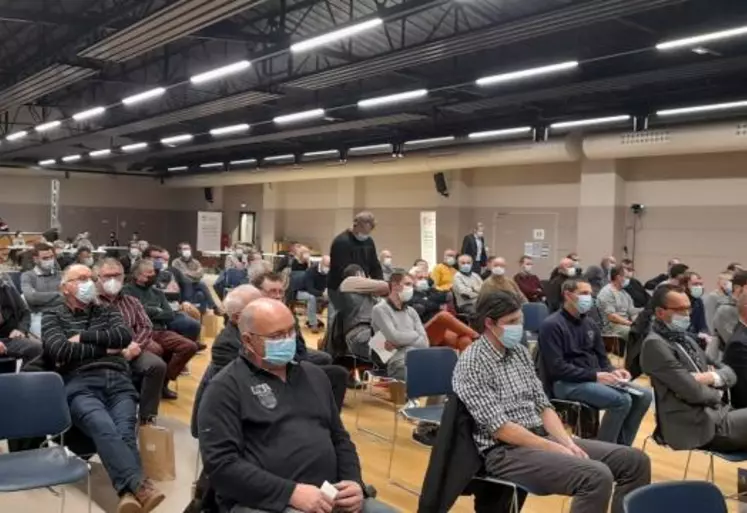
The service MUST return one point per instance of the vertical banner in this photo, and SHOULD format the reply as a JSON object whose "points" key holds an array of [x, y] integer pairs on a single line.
{"points": [[209, 226], [54, 211], [428, 237]]}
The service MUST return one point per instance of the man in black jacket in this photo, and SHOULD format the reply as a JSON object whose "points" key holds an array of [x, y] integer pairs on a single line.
{"points": [[313, 291], [15, 319], [473, 245], [270, 433], [661, 278], [735, 356], [635, 288], [227, 344]]}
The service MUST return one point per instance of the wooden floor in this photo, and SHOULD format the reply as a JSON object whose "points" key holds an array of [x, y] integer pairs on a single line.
{"points": [[411, 459]]}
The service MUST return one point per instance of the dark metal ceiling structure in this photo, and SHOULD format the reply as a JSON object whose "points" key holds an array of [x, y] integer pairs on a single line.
{"points": [[62, 57]]}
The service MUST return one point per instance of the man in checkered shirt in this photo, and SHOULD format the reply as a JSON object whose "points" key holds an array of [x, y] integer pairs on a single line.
{"points": [[518, 432]]}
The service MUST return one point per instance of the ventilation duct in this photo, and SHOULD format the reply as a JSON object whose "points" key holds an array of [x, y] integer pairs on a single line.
{"points": [[50, 79]]}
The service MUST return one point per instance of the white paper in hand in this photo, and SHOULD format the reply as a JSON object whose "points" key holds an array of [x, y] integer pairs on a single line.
{"points": [[377, 343], [329, 490]]}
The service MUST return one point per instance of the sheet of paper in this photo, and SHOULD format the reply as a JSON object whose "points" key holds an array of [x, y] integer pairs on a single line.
{"points": [[329, 490], [377, 345]]}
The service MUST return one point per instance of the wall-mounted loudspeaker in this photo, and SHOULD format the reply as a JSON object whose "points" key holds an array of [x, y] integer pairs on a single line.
{"points": [[209, 194], [440, 181]]}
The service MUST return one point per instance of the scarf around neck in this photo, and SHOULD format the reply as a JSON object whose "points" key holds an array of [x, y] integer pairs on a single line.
{"points": [[682, 340]]}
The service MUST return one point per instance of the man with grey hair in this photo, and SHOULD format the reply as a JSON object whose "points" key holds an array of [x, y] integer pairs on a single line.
{"points": [[270, 433], [228, 342]]}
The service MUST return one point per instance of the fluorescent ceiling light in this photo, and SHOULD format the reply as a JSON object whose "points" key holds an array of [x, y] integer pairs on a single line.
{"points": [[323, 153], [178, 168], [100, 153], [47, 162], [489, 134], [299, 116], [226, 130], [526, 73], [588, 122], [433, 140], [276, 158], [393, 98], [243, 161], [689, 42], [212, 164], [48, 126], [221, 72], [702, 108], [17, 135], [336, 35], [134, 147], [90, 113], [176, 139], [373, 148], [146, 95], [71, 158]]}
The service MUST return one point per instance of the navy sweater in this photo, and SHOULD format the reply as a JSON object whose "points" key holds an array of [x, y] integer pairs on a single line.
{"points": [[572, 348], [697, 316]]}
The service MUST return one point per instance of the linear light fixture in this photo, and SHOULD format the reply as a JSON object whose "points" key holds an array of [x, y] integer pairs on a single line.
{"points": [[589, 122], [221, 72], [278, 158], [100, 153], [176, 139], [689, 42], [526, 73], [88, 114], [372, 148], [71, 158], [177, 168], [226, 130], [393, 98], [44, 127], [323, 153], [299, 116], [702, 108], [128, 148], [211, 164], [242, 162], [505, 132], [17, 135], [432, 140], [47, 162], [144, 96], [331, 37]]}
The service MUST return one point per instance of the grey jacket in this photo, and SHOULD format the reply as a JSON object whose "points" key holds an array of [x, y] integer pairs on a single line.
{"points": [[687, 412], [41, 291], [726, 319]]}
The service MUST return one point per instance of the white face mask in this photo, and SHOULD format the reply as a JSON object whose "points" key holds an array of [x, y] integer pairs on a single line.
{"points": [[498, 271], [387, 261], [406, 294], [112, 286], [479, 233], [527, 268], [186, 254], [86, 292], [450, 260]]}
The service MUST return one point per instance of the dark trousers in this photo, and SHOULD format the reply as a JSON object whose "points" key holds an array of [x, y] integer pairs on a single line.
{"points": [[150, 370], [186, 326], [103, 406], [25, 349], [175, 349]]}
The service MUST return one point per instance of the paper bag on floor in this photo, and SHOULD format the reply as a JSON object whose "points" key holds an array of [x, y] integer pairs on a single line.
{"points": [[157, 452], [210, 326]]}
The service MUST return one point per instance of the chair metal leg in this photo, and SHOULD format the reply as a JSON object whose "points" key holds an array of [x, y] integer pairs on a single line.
{"points": [[88, 489], [515, 501], [687, 465], [394, 443], [62, 499], [198, 459], [711, 470]]}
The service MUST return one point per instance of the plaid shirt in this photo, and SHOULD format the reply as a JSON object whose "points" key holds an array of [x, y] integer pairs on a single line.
{"points": [[134, 317], [498, 388]]}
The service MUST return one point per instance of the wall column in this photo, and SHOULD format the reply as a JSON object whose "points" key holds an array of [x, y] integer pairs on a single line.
{"points": [[268, 219], [349, 201], [601, 211]]}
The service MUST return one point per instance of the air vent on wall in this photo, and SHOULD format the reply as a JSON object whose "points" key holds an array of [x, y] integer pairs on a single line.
{"points": [[646, 137], [742, 130]]}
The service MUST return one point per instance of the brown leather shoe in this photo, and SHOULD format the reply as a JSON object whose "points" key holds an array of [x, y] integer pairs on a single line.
{"points": [[149, 496], [128, 504]]}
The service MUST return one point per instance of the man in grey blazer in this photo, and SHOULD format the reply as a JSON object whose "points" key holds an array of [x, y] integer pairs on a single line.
{"points": [[688, 385]]}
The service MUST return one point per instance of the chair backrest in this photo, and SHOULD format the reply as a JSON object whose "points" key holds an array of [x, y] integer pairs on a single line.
{"points": [[33, 404], [700, 496], [428, 371], [534, 314]]}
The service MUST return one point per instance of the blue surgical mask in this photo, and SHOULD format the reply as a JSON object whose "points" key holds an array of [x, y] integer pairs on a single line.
{"points": [[512, 335], [696, 291], [421, 285], [680, 322], [584, 303], [86, 292], [280, 351], [727, 288], [626, 282], [466, 268]]}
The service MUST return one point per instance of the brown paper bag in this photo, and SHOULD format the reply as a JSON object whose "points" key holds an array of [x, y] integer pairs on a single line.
{"points": [[157, 452]]}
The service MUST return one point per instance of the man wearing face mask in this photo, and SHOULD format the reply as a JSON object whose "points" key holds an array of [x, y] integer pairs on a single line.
{"points": [[84, 256], [689, 386], [132, 256], [15, 321], [84, 341], [616, 306], [599, 276], [634, 287], [143, 352], [575, 364], [467, 285], [713, 298], [443, 273], [385, 258], [473, 245], [529, 283], [313, 291], [726, 318], [270, 432], [499, 281], [194, 291], [517, 431], [227, 344], [694, 292], [175, 348], [566, 269], [41, 286], [236, 259]]}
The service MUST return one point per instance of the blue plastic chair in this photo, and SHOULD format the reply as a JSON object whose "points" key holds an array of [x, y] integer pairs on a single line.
{"points": [[680, 496], [534, 315], [34, 405]]}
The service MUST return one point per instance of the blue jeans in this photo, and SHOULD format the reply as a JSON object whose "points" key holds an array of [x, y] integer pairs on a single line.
{"points": [[103, 405], [185, 326], [623, 412], [310, 300]]}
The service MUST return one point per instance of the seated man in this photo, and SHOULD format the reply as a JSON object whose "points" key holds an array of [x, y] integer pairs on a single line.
{"points": [[84, 256], [358, 295], [192, 270], [499, 281], [270, 433], [132, 256], [41, 286], [661, 278], [227, 344], [467, 285], [84, 341], [143, 352], [599, 276], [694, 292], [517, 430], [715, 297], [15, 322], [634, 288], [575, 363], [727, 317], [443, 273], [735, 356], [385, 259], [236, 259], [174, 348], [689, 400], [616, 306], [313, 291], [63, 258], [566, 269], [529, 283]]}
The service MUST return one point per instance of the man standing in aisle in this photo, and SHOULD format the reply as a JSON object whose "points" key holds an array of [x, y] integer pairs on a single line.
{"points": [[474, 246]]}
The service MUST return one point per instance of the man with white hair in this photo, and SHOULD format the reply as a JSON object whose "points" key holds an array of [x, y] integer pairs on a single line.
{"points": [[85, 341], [227, 344], [385, 257]]}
